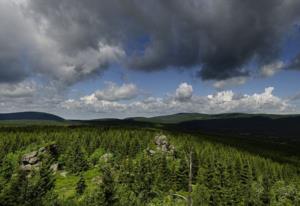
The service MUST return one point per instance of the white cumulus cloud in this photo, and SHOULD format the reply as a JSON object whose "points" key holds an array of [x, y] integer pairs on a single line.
{"points": [[113, 92], [220, 102], [184, 92]]}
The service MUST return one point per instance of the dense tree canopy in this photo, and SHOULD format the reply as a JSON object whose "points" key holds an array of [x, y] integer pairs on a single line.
{"points": [[122, 166]]}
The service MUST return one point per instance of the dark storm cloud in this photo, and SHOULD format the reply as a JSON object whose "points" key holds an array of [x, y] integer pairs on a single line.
{"points": [[294, 64], [218, 36], [14, 39], [11, 71]]}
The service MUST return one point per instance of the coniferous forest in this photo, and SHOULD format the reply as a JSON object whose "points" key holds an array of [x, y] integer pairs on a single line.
{"points": [[90, 165]]}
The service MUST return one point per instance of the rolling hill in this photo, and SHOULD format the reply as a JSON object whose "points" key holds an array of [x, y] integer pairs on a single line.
{"points": [[184, 117], [29, 116]]}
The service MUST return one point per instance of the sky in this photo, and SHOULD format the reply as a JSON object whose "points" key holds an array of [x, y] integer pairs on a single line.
{"points": [[123, 58]]}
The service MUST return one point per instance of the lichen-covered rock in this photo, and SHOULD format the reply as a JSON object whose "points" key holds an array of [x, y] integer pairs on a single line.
{"points": [[106, 157], [163, 145], [54, 167], [27, 158], [42, 150], [27, 167], [161, 140], [32, 160]]}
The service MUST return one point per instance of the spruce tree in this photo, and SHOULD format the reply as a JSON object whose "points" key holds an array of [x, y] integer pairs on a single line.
{"points": [[107, 187], [163, 174], [182, 175], [46, 177], [76, 160], [16, 192], [80, 187], [266, 191]]}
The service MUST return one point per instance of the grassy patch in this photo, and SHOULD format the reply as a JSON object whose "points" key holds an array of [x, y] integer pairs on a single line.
{"points": [[65, 186]]}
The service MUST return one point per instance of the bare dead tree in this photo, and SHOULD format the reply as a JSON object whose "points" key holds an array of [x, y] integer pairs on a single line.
{"points": [[189, 160], [190, 188]]}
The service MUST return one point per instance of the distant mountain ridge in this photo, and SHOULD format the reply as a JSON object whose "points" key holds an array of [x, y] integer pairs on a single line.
{"points": [[186, 117], [30, 116], [163, 119]]}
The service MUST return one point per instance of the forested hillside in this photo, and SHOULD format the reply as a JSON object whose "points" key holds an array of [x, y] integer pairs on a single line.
{"points": [[90, 165]]}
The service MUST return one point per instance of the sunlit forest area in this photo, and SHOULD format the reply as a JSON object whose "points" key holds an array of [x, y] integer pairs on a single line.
{"points": [[89, 165]]}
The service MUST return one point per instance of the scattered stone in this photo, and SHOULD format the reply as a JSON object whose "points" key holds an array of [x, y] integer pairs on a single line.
{"points": [[106, 157], [64, 173], [54, 167], [150, 152], [162, 144]]}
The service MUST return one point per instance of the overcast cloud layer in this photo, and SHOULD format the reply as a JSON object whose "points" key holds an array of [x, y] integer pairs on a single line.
{"points": [[71, 40], [48, 46], [220, 36]]}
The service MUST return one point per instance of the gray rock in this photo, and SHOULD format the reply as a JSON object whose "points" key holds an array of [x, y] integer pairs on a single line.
{"points": [[150, 152], [161, 139], [33, 160], [42, 150], [54, 167], [26, 167], [162, 144], [106, 157], [27, 157]]}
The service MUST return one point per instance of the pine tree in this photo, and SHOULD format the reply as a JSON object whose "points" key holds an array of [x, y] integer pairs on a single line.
{"points": [[182, 175], [46, 178], [163, 176], [266, 191], [76, 160], [201, 194], [16, 191], [80, 187], [105, 194], [144, 178], [108, 187], [6, 171]]}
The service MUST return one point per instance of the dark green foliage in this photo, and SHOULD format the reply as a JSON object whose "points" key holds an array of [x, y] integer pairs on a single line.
{"points": [[113, 166], [75, 159], [105, 194], [16, 192], [81, 185], [45, 179], [182, 175]]}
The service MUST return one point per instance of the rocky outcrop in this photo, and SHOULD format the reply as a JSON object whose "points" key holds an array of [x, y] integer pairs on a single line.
{"points": [[162, 144], [32, 160]]}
